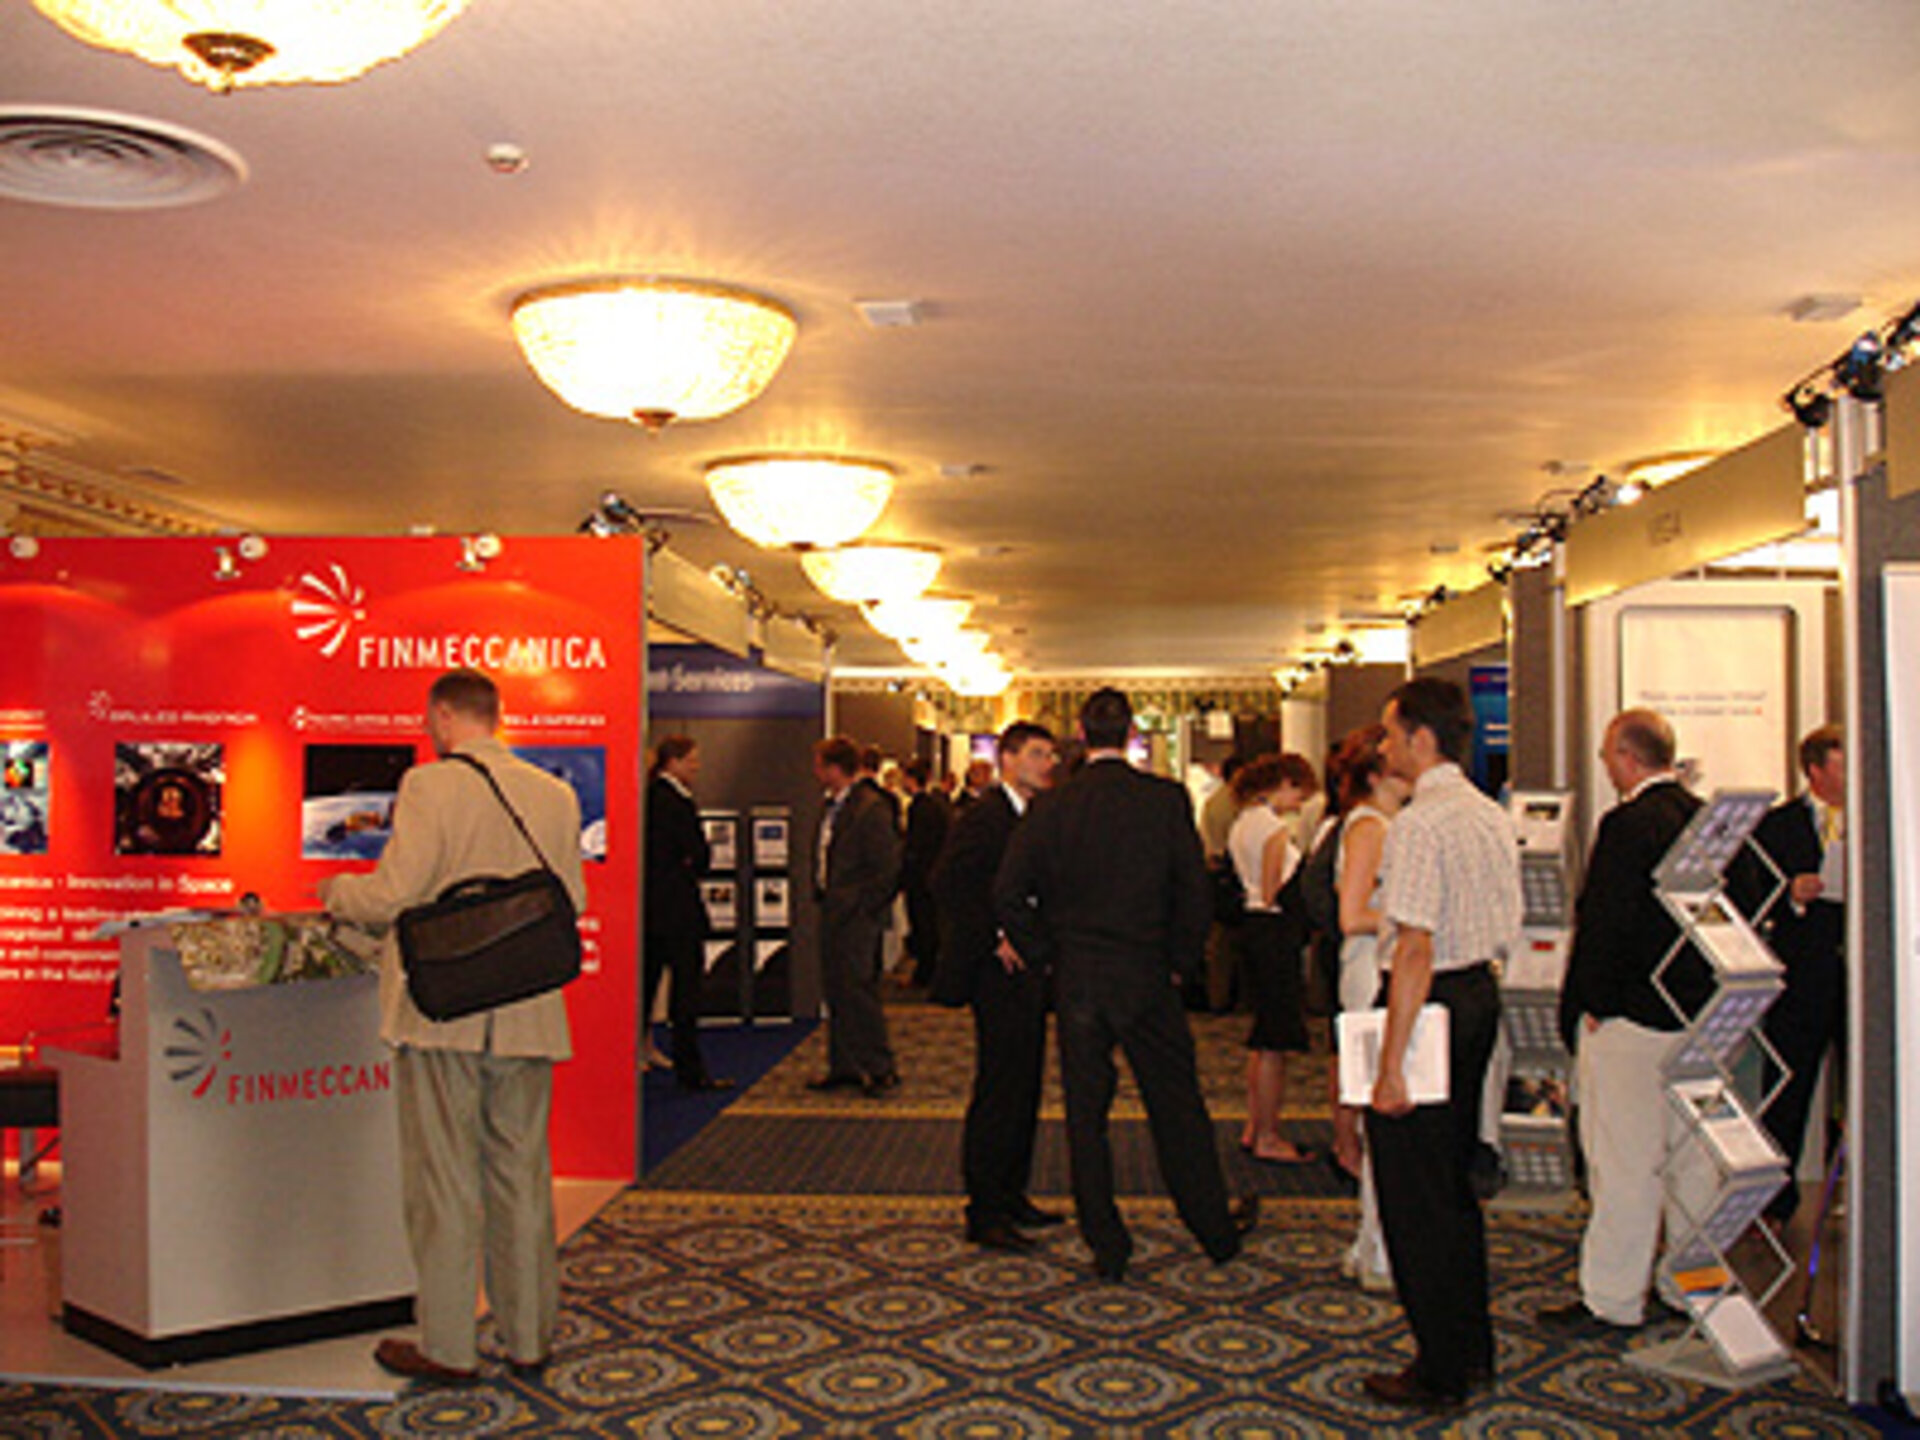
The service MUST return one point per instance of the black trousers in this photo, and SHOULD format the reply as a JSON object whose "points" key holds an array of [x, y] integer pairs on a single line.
{"points": [[923, 930], [1436, 1236], [678, 953], [1009, 1061], [1149, 1024], [1808, 1019]]}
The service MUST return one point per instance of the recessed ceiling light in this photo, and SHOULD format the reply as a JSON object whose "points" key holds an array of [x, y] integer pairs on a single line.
{"points": [[890, 314], [1818, 308], [961, 470]]}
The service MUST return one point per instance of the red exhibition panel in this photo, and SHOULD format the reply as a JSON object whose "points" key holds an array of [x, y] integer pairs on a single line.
{"points": [[172, 739]]}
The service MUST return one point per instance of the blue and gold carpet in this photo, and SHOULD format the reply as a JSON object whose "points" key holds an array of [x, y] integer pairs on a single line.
{"points": [[701, 1311]]}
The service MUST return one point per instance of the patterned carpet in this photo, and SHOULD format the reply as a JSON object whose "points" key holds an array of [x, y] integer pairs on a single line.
{"points": [[696, 1310]]}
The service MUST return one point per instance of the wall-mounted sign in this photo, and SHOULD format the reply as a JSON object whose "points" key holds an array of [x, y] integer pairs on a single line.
{"points": [[699, 682], [1747, 497], [171, 739]]}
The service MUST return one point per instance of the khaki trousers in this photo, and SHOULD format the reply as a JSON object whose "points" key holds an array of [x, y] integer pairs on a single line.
{"points": [[1627, 1129], [477, 1181]]}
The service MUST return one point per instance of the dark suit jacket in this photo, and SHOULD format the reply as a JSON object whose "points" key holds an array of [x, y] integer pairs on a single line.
{"points": [[929, 820], [1621, 930], [1791, 838], [1105, 880], [863, 869], [963, 892], [677, 857]]}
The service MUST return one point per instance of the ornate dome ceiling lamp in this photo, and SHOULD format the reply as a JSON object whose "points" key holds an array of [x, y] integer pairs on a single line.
{"points": [[652, 350]]}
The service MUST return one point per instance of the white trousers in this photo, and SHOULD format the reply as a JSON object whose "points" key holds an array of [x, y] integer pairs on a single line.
{"points": [[1626, 1129]]}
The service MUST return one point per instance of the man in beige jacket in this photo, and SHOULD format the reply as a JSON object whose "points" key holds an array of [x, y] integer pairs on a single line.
{"points": [[474, 1093]]}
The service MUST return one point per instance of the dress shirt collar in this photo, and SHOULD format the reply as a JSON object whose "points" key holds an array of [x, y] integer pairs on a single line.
{"points": [[1660, 778], [675, 783], [1014, 798], [1436, 779]]}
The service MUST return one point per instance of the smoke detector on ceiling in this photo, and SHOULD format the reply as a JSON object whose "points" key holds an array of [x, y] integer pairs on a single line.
{"points": [[102, 160]]}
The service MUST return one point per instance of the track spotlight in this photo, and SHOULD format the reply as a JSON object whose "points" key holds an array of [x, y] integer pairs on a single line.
{"points": [[1811, 407], [1859, 370]]}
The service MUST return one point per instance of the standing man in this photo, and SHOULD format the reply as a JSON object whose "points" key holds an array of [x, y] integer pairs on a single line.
{"points": [[929, 817], [856, 872], [1217, 815], [1009, 999], [1805, 838], [1620, 1029], [1105, 882], [474, 1093], [676, 916], [1451, 897]]}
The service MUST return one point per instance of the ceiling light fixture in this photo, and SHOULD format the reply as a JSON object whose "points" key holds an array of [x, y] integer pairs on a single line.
{"points": [[652, 351], [226, 44], [920, 618], [853, 574], [959, 647], [815, 501]]}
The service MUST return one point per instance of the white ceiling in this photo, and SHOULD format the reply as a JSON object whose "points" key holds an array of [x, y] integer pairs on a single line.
{"points": [[1244, 307]]}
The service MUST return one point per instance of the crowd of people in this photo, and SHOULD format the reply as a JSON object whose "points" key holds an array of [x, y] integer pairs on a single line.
{"points": [[1090, 889]]}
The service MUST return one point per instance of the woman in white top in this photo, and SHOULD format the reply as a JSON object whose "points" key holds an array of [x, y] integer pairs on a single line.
{"points": [[1271, 940], [1369, 797]]}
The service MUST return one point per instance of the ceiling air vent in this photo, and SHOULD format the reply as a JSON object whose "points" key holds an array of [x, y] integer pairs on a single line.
{"points": [[99, 160]]}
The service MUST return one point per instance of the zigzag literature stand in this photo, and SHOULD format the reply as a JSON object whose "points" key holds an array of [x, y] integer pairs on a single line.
{"points": [[1722, 1168]]}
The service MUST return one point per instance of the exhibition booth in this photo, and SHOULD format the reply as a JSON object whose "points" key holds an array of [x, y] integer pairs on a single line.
{"points": [[195, 733]]}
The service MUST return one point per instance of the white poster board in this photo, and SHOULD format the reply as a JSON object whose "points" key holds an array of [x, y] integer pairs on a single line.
{"points": [[1902, 593], [1724, 678]]}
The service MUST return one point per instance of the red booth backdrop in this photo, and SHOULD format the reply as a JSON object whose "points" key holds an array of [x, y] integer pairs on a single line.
{"points": [[185, 722]]}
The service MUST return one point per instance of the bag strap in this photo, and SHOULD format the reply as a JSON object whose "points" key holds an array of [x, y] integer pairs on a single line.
{"points": [[501, 795]]}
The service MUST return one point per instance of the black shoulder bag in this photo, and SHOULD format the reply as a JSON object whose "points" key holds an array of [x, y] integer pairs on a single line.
{"points": [[489, 941]]}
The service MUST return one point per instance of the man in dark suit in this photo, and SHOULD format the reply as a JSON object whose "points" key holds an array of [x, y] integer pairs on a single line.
{"points": [[978, 968], [1620, 1028], [1105, 882], [676, 925], [856, 873], [929, 818], [1806, 924]]}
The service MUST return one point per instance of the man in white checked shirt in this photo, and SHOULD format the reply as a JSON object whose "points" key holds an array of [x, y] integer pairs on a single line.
{"points": [[1451, 894]]}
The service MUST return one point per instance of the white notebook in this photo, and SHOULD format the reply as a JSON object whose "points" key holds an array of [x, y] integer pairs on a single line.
{"points": [[1426, 1067]]}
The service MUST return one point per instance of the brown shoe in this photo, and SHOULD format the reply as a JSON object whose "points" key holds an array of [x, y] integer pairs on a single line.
{"points": [[403, 1358], [1406, 1390]]}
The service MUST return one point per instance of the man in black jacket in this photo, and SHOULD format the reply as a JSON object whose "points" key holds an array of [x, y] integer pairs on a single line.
{"points": [[1806, 924], [856, 874], [1106, 883], [929, 818], [1009, 998], [676, 917], [1621, 1028]]}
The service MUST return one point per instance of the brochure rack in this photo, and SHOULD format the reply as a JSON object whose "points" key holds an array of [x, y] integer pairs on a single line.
{"points": [[1722, 1167]]}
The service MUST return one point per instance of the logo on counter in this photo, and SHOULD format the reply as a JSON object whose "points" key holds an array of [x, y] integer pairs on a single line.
{"points": [[200, 1047], [326, 608]]}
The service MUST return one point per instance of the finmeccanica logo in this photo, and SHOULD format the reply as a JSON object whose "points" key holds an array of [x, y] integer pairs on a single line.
{"points": [[326, 608], [202, 1045]]}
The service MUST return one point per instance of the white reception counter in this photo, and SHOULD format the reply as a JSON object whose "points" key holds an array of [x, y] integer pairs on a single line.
{"points": [[231, 1179]]}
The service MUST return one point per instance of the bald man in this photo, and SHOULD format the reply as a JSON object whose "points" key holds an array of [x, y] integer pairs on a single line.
{"points": [[1620, 1028]]}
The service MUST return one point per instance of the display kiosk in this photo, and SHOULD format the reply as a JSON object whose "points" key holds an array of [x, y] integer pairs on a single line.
{"points": [[1535, 1142], [232, 1174]]}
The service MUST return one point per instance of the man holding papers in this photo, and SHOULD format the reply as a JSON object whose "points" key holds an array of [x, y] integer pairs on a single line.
{"points": [[1451, 897], [1620, 1027]]}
